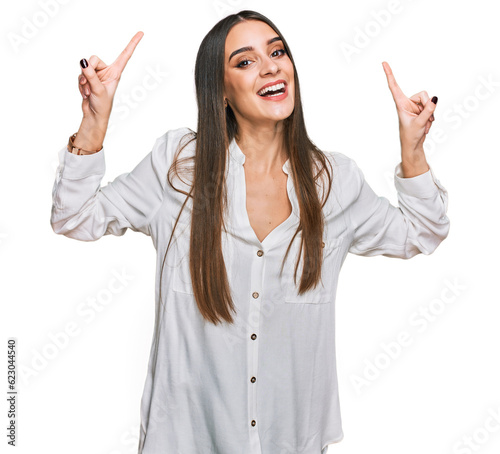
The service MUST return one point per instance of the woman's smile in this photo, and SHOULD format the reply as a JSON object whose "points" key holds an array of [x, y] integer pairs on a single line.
{"points": [[274, 91]]}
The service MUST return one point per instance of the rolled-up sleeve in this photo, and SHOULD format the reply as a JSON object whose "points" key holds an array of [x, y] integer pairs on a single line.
{"points": [[83, 210], [417, 225]]}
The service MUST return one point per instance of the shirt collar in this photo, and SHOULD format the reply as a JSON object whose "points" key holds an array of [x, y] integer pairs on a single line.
{"points": [[239, 157]]}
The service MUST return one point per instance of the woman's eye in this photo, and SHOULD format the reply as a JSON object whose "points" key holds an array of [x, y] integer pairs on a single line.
{"points": [[241, 65]]}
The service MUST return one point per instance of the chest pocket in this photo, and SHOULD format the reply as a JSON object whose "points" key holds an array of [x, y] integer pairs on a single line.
{"points": [[325, 290], [181, 281]]}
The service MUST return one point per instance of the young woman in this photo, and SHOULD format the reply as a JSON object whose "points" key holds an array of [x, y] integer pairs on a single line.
{"points": [[251, 230]]}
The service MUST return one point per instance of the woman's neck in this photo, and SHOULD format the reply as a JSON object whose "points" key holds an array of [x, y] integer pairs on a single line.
{"points": [[262, 148]]}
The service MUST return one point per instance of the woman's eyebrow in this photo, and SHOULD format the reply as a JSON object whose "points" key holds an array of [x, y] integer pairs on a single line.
{"points": [[250, 48]]}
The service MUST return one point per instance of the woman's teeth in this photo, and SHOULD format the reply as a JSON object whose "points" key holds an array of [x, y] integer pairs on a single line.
{"points": [[272, 88]]}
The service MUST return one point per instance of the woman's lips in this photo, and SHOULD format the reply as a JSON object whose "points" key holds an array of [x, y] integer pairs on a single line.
{"points": [[276, 97]]}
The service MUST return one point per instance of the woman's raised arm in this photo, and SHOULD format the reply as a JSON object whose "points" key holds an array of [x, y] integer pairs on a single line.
{"points": [[417, 225], [83, 210], [97, 84]]}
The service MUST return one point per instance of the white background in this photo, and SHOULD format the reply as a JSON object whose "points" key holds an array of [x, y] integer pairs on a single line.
{"points": [[80, 392]]}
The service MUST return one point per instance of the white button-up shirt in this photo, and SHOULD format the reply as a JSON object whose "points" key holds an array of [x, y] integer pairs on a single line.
{"points": [[268, 383]]}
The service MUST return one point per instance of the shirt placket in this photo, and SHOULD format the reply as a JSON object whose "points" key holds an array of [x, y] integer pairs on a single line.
{"points": [[255, 297]]}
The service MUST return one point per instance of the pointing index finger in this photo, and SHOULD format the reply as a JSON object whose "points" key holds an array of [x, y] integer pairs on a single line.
{"points": [[391, 80], [125, 55]]}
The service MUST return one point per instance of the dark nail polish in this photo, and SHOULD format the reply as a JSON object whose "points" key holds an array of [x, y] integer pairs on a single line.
{"points": [[434, 99], [83, 63]]}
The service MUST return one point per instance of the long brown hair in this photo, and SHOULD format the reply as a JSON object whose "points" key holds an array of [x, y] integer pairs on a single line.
{"points": [[216, 129]]}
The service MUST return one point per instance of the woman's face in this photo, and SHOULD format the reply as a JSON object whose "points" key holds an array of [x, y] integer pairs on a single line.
{"points": [[247, 71]]}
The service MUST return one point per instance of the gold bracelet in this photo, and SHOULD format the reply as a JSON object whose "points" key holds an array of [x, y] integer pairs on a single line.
{"points": [[75, 150]]}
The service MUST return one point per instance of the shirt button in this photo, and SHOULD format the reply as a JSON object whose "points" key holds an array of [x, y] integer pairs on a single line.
{"points": [[260, 253], [253, 379], [323, 244], [253, 422], [255, 295], [253, 336]]}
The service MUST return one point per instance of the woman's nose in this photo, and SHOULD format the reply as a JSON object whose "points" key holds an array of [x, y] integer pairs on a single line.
{"points": [[270, 66]]}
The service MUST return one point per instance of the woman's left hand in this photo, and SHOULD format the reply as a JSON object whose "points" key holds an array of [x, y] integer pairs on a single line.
{"points": [[415, 114]]}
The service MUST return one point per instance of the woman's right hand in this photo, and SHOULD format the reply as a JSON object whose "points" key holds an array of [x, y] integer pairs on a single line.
{"points": [[98, 83]]}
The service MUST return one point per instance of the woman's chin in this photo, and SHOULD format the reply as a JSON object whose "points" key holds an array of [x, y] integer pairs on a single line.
{"points": [[278, 113], [259, 115]]}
